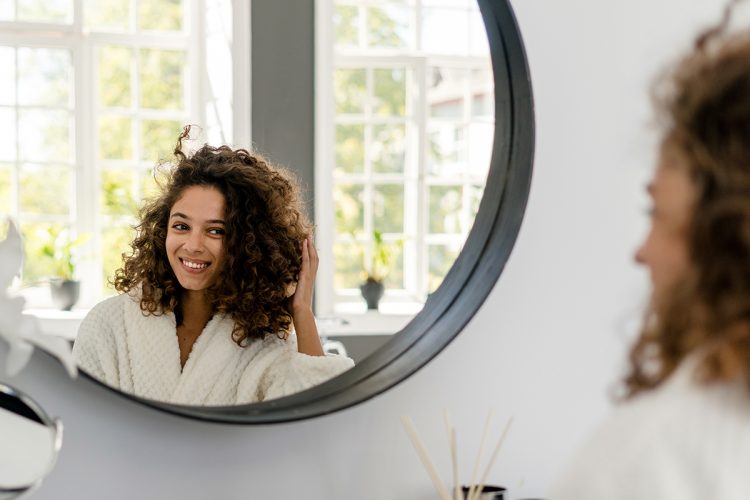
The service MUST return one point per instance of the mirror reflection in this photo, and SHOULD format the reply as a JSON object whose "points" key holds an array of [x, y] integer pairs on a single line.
{"points": [[88, 119], [222, 268]]}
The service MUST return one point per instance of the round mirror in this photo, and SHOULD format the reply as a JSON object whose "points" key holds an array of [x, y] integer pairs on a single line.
{"points": [[31, 443], [469, 280]]}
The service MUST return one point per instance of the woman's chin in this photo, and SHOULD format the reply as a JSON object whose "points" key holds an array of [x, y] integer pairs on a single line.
{"points": [[193, 285]]}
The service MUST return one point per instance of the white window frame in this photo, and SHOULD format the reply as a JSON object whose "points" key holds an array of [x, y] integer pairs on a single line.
{"points": [[328, 301], [84, 215]]}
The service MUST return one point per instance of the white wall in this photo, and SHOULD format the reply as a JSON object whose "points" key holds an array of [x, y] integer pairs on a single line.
{"points": [[544, 348]]}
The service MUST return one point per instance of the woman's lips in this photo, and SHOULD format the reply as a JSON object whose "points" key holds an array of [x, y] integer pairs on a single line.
{"points": [[194, 266]]}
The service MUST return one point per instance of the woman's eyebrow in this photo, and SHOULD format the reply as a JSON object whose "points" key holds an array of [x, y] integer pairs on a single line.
{"points": [[183, 216]]}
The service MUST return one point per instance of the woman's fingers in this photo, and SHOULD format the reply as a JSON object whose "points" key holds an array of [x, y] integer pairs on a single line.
{"points": [[314, 260]]}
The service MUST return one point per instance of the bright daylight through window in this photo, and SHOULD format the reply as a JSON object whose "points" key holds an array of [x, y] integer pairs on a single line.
{"points": [[412, 114], [92, 96]]}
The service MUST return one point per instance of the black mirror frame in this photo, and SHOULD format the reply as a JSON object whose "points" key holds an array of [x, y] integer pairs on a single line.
{"points": [[468, 282]]}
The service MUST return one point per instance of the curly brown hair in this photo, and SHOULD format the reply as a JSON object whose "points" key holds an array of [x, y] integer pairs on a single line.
{"points": [[704, 106], [265, 224]]}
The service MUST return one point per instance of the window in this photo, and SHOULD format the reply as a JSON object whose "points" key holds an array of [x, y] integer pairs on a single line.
{"points": [[405, 98], [92, 97]]}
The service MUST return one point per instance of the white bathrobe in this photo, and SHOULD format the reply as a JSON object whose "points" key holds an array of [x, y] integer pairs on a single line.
{"points": [[140, 355], [681, 441]]}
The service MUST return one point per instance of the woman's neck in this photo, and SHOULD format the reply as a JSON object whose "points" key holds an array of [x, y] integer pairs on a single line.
{"points": [[195, 309]]}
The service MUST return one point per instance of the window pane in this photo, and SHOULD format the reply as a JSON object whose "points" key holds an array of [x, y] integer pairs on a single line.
{"points": [[6, 179], [345, 20], [350, 214], [109, 15], [388, 208], [160, 15], [436, 23], [388, 26], [350, 89], [161, 74], [46, 11], [445, 209], [480, 148], [475, 197], [448, 3], [446, 149], [7, 76], [117, 192], [7, 10], [441, 259], [44, 135], [116, 239], [390, 92], [45, 77], [395, 276], [8, 135], [445, 92], [479, 44], [350, 149], [349, 265], [388, 148], [158, 138], [114, 76], [150, 185], [115, 138], [482, 91], [39, 243], [45, 190]]}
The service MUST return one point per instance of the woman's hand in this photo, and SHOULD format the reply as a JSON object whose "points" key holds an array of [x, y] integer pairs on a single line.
{"points": [[308, 340], [303, 293]]}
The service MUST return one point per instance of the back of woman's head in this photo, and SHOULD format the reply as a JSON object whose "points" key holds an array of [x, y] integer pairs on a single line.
{"points": [[264, 226], [704, 107]]}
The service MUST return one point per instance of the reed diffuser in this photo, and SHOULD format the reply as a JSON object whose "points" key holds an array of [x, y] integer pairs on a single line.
{"points": [[475, 489]]}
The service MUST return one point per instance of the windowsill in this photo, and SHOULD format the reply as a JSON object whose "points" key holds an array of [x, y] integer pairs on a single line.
{"points": [[56, 322], [367, 323], [355, 319], [350, 320]]}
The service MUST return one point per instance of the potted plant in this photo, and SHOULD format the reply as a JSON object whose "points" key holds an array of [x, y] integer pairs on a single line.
{"points": [[373, 288], [62, 249]]}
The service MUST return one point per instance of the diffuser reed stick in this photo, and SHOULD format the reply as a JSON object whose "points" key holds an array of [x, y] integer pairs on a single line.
{"points": [[476, 488], [492, 461], [454, 455], [422, 452], [473, 484]]}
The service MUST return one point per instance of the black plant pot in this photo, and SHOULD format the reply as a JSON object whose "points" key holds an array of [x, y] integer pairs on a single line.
{"points": [[372, 292], [65, 293]]}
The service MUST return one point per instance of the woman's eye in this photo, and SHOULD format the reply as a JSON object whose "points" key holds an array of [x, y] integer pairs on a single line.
{"points": [[180, 226], [216, 231]]}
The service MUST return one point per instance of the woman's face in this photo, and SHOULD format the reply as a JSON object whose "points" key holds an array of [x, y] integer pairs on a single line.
{"points": [[195, 237], [665, 250]]}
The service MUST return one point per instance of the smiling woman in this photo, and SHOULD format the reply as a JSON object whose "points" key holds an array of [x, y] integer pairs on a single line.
{"points": [[221, 268]]}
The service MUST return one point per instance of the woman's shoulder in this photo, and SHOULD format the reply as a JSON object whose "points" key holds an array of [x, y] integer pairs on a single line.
{"points": [[662, 435], [684, 407], [113, 302], [112, 308]]}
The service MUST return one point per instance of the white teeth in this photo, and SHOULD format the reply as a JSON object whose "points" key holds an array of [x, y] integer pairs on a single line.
{"points": [[194, 265]]}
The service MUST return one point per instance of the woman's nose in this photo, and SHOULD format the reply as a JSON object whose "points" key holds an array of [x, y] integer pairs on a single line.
{"points": [[194, 242], [640, 254]]}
